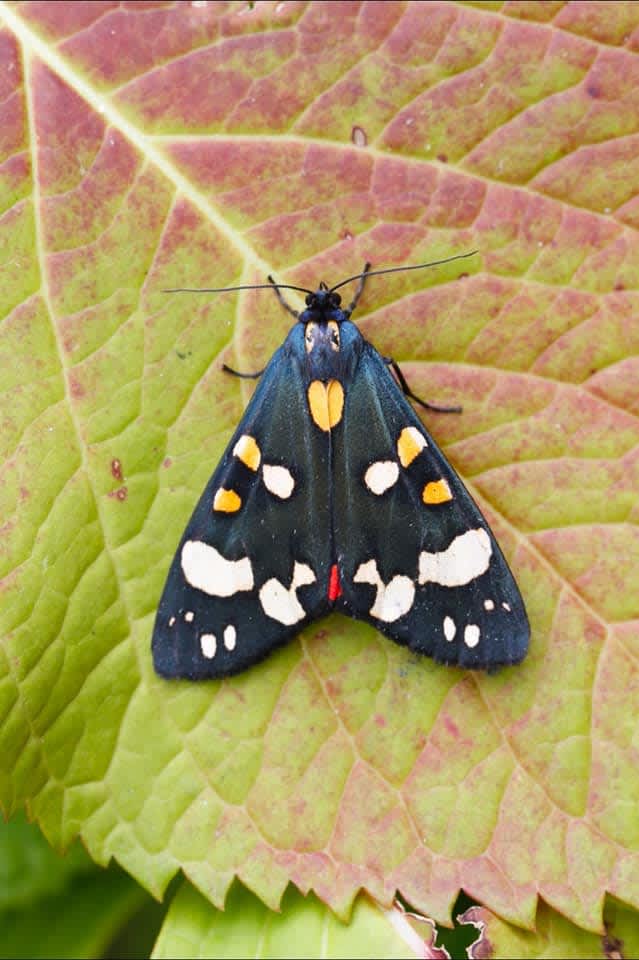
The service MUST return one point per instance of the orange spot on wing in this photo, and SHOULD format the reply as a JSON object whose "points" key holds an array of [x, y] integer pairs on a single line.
{"points": [[410, 444], [247, 450], [326, 403], [437, 491], [226, 501]]}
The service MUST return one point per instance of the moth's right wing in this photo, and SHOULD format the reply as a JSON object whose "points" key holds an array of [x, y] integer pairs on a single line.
{"points": [[416, 557]]}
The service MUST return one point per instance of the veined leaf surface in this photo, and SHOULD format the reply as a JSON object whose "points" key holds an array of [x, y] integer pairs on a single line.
{"points": [[153, 145]]}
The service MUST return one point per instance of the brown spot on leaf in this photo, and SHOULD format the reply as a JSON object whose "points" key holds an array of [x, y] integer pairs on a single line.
{"points": [[332, 689], [120, 494], [75, 387], [167, 462], [116, 468], [442, 157], [451, 726], [358, 136]]}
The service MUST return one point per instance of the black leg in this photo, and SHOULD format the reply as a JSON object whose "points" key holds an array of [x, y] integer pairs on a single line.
{"points": [[294, 313], [360, 288], [244, 376], [406, 390]]}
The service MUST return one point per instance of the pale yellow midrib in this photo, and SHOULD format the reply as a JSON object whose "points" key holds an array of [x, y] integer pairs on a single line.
{"points": [[35, 46]]}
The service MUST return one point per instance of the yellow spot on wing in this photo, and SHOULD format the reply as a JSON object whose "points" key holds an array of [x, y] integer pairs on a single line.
{"points": [[247, 450], [409, 445], [326, 403], [335, 401], [226, 501], [437, 491]]}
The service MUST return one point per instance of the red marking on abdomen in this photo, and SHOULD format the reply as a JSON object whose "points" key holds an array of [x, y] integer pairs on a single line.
{"points": [[334, 586]]}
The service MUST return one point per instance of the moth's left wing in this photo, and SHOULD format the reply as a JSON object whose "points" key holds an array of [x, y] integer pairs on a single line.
{"points": [[252, 566], [415, 555]]}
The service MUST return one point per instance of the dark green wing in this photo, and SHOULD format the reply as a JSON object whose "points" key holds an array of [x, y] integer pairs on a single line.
{"points": [[416, 556], [253, 563]]}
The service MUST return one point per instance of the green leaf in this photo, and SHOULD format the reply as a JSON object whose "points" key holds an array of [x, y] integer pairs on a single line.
{"points": [[555, 936], [193, 928], [246, 928], [148, 146]]}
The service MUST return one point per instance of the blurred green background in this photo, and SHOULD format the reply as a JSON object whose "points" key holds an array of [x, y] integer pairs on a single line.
{"points": [[68, 907]]}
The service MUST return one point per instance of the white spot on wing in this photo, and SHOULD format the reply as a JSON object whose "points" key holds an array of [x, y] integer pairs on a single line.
{"points": [[393, 599], [467, 557], [230, 636], [208, 643], [280, 603], [449, 628], [171, 621], [278, 481], [206, 569], [302, 575], [506, 606], [381, 476], [471, 635], [489, 605], [368, 573], [189, 616]]}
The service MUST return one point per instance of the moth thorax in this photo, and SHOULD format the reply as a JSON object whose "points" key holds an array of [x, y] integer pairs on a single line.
{"points": [[322, 336]]}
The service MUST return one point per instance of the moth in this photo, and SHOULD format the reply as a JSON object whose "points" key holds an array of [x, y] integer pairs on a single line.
{"points": [[332, 496]]}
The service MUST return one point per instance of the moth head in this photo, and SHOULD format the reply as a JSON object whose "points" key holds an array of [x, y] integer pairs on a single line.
{"points": [[323, 307], [323, 299]]}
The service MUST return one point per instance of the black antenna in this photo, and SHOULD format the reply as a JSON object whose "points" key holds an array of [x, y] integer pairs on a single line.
{"points": [[418, 266], [250, 286], [288, 286]]}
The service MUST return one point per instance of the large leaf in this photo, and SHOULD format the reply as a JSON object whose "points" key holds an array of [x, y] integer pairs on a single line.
{"points": [[146, 146]]}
